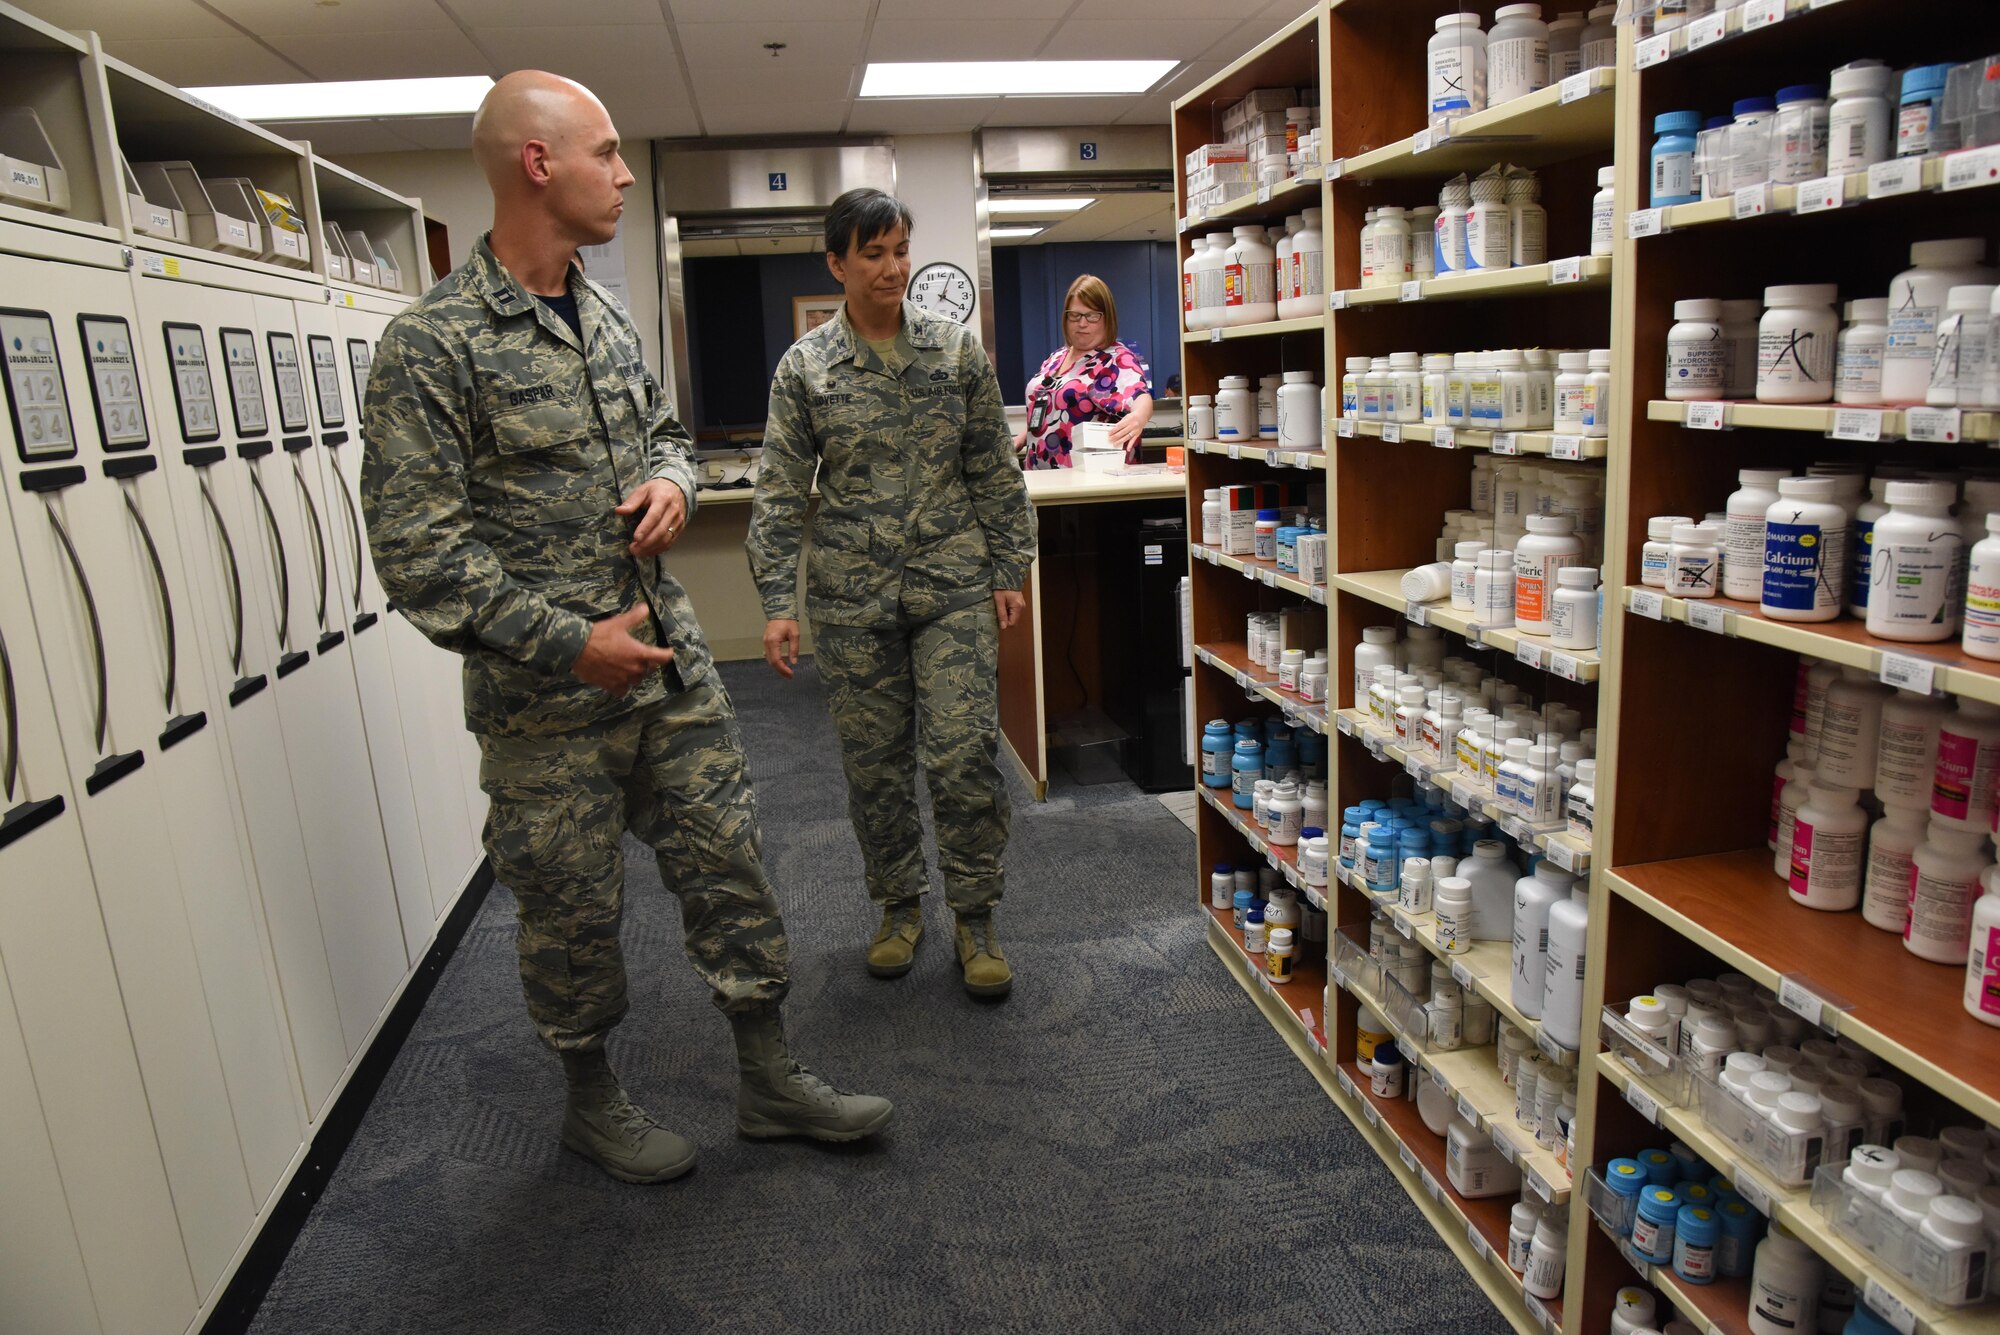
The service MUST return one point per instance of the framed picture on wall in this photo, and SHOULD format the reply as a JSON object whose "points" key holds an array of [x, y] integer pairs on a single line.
{"points": [[809, 313]]}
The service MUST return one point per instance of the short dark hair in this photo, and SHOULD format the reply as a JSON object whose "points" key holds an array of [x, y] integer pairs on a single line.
{"points": [[859, 216]]}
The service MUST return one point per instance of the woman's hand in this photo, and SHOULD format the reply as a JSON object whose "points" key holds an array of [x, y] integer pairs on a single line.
{"points": [[781, 644], [1008, 604], [1126, 430]]}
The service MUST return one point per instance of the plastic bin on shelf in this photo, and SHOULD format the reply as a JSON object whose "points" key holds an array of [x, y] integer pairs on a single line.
{"points": [[339, 266], [1791, 1157], [150, 198], [219, 217], [1949, 1278], [1664, 1071], [360, 259], [1607, 1207], [31, 174], [1407, 1012], [285, 240], [1351, 961]]}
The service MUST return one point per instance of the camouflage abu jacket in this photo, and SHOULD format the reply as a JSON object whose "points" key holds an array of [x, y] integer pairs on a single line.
{"points": [[922, 506], [495, 450]]}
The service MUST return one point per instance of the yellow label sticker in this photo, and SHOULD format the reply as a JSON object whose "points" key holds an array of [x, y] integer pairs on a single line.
{"points": [[173, 267]]}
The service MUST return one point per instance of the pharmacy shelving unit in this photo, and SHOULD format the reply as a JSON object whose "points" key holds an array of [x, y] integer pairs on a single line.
{"points": [[1386, 491], [1697, 692]]}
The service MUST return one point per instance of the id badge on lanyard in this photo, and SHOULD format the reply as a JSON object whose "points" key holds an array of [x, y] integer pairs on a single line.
{"points": [[1038, 414]]}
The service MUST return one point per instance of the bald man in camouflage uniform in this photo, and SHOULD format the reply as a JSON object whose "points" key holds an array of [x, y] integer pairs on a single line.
{"points": [[523, 476], [920, 546]]}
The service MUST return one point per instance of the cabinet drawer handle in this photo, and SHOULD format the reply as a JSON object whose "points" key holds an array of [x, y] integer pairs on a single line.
{"points": [[96, 626], [284, 564], [166, 597], [235, 576]]}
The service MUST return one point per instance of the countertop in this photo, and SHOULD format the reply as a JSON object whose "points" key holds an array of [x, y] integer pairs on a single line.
{"points": [[1053, 486]]}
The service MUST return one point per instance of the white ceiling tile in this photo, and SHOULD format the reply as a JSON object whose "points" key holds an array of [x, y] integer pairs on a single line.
{"points": [[802, 83], [642, 112], [205, 61], [666, 123], [382, 55], [602, 59], [956, 39], [338, 139], [1058, 110], [131, 18], [785, 117], [920, 115], [480, 15], [1154, 110], [740, 46], [1157, 11], [762, 11], [265, 17], [897, 11], [1173, 39]]}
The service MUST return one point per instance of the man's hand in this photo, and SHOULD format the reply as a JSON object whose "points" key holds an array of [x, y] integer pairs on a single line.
{"points": [[781, 644], [665, 511], [612, 659], [1009, 605]]}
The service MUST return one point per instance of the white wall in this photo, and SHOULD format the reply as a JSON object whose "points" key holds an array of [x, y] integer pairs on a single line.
{"points": [[455, 194], [934, 177]]}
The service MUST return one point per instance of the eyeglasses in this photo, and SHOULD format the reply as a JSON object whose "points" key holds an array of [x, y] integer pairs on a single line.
{"points": [[1084, 317]]}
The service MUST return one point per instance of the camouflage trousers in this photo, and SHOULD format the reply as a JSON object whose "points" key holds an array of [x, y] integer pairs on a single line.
{"points": [[930, 691], [673, 772]]}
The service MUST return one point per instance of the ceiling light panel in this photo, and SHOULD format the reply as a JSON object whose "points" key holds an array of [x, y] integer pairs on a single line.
{"points": [[1033, 205], [1003, 232], [1014, 78], [358, 99]]}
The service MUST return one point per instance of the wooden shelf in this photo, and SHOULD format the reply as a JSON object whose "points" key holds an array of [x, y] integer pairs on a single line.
{"points": [[1678, 42], [1233, 660], [1720, 1307], [1386, 587], [1288, 196], [1283, 857], [1784, 199], [1560, 121], [1303, 998], [1563, 848], [1593, 272], [1819, 418], [1904, 1009], [1258, 572], [1261, 449], [1846, 641], [1307, 324], [1460, 438], [1790, 1206]]}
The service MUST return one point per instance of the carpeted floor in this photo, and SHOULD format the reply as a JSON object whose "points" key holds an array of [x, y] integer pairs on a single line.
{"points": [[1124, 1145]]}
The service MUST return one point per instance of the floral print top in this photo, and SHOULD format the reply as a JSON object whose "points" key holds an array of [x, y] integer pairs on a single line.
{"points": [[1099, 388]]}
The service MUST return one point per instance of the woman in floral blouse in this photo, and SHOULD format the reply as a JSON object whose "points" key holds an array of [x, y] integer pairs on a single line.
{"points": [[1091, 378]]}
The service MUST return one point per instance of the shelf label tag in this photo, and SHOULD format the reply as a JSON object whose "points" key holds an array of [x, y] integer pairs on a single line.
{"points": [[1343, 724], [1392, 432], [1336, 169], [1431, 1185], [1368, 1111], [1709, 28], [1267, 577], [1420, 142], [1856, 424], [1750, 1189], [1409, 1159], [1814, 1006], [1565, 666], [1263, 194], [1553, 1050], [1318, 594], [1897, 176], [1642, 1102], [1704, 615], [1652, 51], [1417, 613], [1274, 457], [1474, 636], [1412, 290], [1437, 1078], [1242, 679], [1908, 673], [1445, 437], [1564, 855], [1506, 442], [1467, 1111], [1972, 167], [1418, 770], [1828, 192], [1235, 450], [1337, 300], [1460, 974], [1566, 271], [1403, 925], [1762, 14], [1539, 1186], [1645, 222], [1889, 1307], [1528, 653], [1576, 87], [1215, 334], [1506, 1148], [1480, 1247], [1936, 425], [1343, 427], [1181, 223], [1565, 447], [1753, 201], [1704, 416]]}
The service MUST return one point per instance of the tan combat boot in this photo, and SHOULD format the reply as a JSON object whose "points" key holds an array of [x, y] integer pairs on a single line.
{"points": [[979, 958], [604, 1126], [779, 1097], [894, 948]]}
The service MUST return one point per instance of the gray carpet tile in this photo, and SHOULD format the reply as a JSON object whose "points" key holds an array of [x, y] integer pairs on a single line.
{"points": [[1124, 1145]]}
